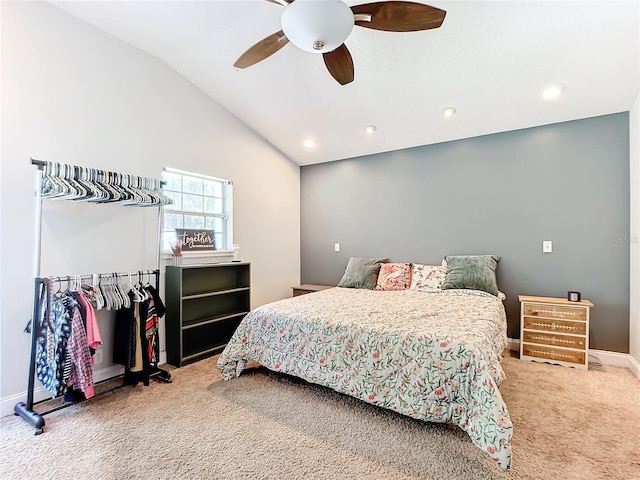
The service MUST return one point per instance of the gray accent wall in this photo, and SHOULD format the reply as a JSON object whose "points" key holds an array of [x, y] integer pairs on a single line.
{"points": [[498, 194]]}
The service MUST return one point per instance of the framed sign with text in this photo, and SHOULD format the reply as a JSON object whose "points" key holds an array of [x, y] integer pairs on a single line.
{"points": [[195, 239]]}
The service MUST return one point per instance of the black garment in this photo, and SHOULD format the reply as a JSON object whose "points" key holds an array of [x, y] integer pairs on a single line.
{"points": [[157, 301], [124, 348], [124, 341]]}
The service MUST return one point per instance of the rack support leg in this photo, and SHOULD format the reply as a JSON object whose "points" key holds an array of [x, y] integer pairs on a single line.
{"points": [[31, 417]]}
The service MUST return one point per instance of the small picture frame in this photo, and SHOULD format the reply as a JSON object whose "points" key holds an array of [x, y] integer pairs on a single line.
{"points": [[573, 296]]}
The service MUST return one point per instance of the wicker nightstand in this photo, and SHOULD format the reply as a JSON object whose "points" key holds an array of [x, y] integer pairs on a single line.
{"points": [[308, 288]]}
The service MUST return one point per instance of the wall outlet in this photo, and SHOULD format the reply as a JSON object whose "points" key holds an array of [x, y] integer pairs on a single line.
{"points": [[99, 356], [336, 247], [547, 246]]}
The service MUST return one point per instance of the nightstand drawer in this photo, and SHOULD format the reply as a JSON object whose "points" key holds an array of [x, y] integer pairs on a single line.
{"points": [[555, 311], [555, 340], [577, 357], [560, 326]]}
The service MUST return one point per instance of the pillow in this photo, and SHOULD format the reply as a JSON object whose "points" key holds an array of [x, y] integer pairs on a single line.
{"points": [[477, 272], [427, 277], [394, 276], [361, 272]]}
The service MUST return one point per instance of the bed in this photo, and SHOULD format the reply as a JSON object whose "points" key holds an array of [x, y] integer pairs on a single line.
{"points": [[430, 354]]}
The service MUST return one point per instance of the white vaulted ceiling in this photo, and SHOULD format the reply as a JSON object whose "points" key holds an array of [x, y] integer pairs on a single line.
{"points": [[490, 60]]}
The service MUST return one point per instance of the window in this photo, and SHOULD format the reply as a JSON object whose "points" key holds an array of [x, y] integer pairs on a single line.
{"points": [[198, 202]]}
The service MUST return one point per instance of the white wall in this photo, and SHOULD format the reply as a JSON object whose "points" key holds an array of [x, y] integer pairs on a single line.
{"points": [[634, 161], [73, 94]]}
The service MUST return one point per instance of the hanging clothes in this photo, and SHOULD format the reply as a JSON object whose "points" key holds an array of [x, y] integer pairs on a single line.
{"points": [[136, 334], [63, 358], [124, 340], [155, 311], [81, 376], [130, 341], [90, 320], [53, 333], [138, 355]]}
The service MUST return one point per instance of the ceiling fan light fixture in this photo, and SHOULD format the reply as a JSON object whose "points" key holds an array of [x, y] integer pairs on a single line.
{"points": [[317, 26]]}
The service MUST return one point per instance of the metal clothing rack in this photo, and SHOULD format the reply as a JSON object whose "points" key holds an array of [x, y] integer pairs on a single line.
{"points": [[26, 410]]}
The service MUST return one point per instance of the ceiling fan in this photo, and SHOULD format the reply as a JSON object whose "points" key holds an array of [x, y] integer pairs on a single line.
{"points": [[322, 26]]}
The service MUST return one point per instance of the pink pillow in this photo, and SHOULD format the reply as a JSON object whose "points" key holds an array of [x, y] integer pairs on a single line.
{"points": [[394, 276]]}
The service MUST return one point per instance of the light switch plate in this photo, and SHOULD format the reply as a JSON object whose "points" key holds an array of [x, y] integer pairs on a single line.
{"points": [[547, 246]]}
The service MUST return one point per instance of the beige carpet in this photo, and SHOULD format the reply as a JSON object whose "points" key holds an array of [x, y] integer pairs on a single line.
{"points": [[569, 424]]}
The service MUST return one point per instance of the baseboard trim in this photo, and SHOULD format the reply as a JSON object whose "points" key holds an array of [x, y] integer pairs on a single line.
{"points": [[39, 393], [513, 344], [615, 359], [635, 367]]}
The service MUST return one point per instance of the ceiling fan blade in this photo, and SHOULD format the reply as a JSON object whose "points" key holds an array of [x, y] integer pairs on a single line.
{"points": [[399, 16], [261, 50], [284, 3], [340, 64]]}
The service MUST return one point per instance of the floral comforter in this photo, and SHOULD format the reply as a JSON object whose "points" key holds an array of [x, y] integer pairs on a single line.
{"points": [[434, 356]]}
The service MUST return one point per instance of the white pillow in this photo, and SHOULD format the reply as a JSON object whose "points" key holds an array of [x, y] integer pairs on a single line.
{"points": [[427, 277]]}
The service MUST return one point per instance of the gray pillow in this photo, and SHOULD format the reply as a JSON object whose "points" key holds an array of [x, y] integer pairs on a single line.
{"points": [[477, 272], [361, 272]]}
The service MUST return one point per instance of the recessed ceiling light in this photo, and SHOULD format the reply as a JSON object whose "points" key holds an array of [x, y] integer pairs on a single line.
{"points": [[370, 129], [310, 143], [553, 91], [449, 112]]}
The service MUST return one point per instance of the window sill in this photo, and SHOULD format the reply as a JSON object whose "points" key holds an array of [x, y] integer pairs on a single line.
{"points": [[216, 255]]}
